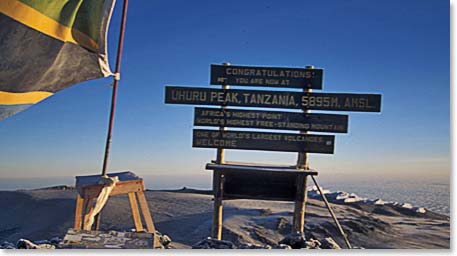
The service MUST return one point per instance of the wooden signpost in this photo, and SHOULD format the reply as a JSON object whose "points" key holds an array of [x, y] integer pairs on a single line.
{"points": [[267, 182]]}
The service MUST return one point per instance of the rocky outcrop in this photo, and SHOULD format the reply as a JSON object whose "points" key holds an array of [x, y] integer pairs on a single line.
{"points": [[164, 240], [26, 244], [293, 241], [297, 240], [56, 243], [329, 243], [211, 243]]}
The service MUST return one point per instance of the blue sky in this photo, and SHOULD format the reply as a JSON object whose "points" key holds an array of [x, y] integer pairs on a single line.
{"points": [[397, 48]]}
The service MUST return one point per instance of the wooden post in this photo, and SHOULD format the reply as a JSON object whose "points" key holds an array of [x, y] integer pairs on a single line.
{"points": [[302, 193], [301, 197], [220, 157], [302, 160], [218, 184], [78, 212]]}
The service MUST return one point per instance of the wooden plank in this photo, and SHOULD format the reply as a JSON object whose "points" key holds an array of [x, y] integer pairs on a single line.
{"points": [[266, 76], [127, 187], [220, 154], [145, 211], [255, 167], [260, 185], [122, 187], [273, 99], [271, 120], [263, 141], [135, 212], [78, 211], [303, 157]]}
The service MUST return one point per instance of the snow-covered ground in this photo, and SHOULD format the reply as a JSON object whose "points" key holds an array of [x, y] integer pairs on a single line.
{"points": [[186, 216]]}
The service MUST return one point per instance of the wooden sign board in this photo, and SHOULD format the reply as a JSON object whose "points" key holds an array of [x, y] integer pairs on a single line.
{"points": [[271, 120], [267, 76], [273, 99], [278, 186], [267, 141]]}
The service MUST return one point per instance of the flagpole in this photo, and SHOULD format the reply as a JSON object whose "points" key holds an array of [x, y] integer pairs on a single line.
{"points": [[115, 84], [116, 78]]}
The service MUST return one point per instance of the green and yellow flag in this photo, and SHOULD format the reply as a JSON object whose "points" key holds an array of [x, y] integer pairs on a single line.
{"points": [[49, 45]]}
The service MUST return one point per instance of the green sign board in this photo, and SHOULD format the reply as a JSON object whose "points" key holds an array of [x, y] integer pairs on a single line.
{"points": [[273, 99], [267, 141], [267, 76], [271, 120]]}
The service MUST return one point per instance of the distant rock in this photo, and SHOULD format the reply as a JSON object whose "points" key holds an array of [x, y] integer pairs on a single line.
{"points": [[59, 187], [377, 202], [315, 192], [407, 206], [420, 209], [349, 198], [341, 197]]}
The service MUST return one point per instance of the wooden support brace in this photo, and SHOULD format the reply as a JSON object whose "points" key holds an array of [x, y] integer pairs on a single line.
{"points": [[135, 212], [147, 217], [145, 211]]}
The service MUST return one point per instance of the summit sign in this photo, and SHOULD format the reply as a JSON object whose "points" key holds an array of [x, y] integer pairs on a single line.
{"points": [[260, 181], [302, 78], [273, 99]]}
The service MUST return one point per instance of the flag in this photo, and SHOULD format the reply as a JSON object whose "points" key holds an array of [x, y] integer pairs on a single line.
{"points": [[49, 45]]}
